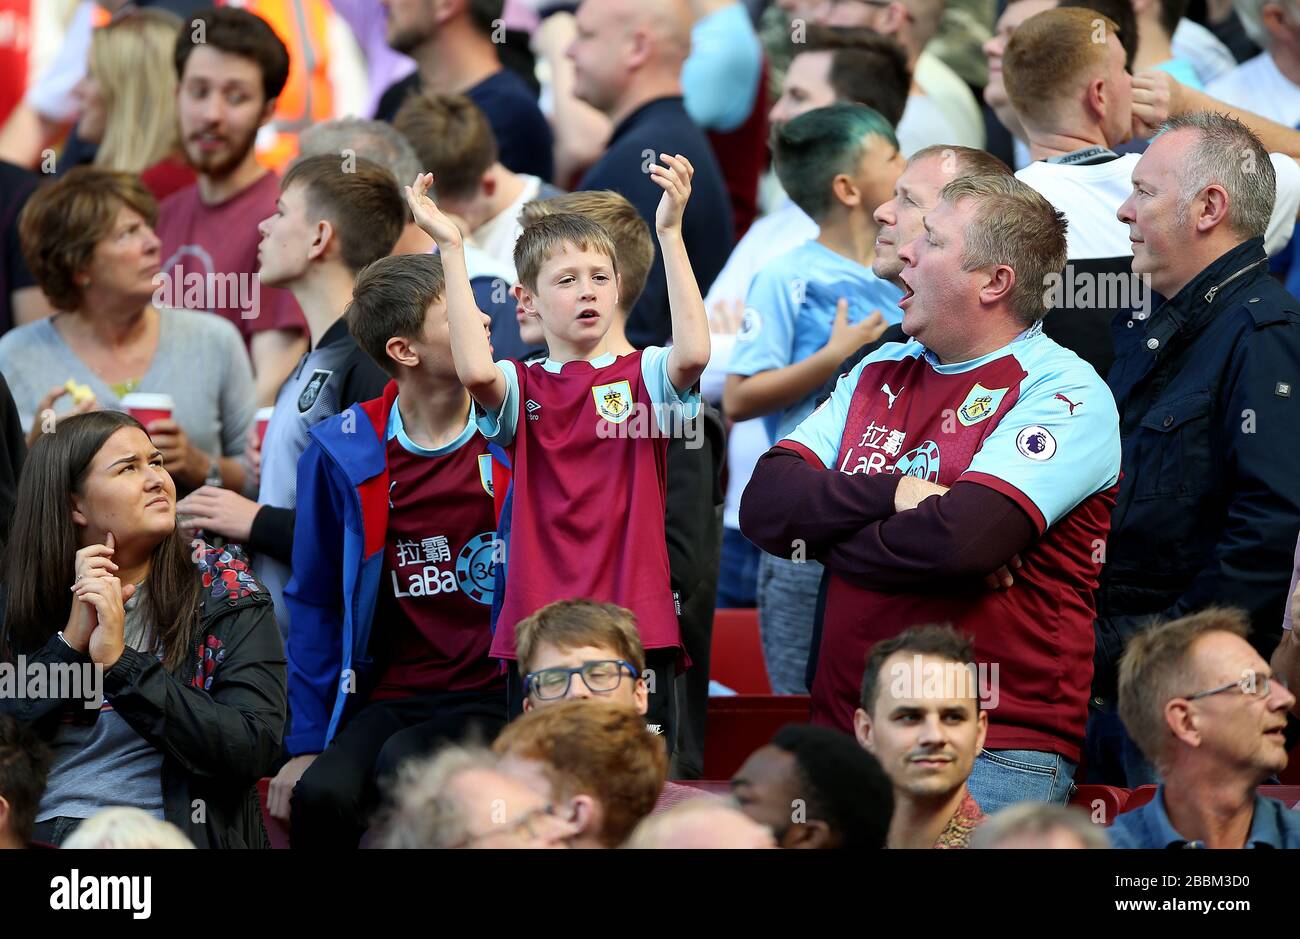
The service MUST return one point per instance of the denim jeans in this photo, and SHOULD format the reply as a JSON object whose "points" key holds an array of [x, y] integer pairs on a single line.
{"points": [[1112, 758], [55, 830], [1005, 777], [787, 606], [738, 574]]}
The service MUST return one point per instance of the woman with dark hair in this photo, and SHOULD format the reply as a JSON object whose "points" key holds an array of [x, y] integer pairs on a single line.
{"points": [[172, 696]]}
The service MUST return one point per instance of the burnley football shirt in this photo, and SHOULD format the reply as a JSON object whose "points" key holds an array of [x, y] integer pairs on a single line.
{"points": [[1031, 421], [588, 444], [432, 616]]}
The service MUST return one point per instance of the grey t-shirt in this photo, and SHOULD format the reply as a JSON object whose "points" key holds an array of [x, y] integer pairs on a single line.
{"points": [[200, 361], [105, 763]]}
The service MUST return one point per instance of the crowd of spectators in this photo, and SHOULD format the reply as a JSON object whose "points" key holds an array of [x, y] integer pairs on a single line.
{"points": [[392, 391]]}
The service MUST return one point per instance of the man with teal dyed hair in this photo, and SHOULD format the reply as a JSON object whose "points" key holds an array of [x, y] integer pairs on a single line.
{"points": [[805, 313]]}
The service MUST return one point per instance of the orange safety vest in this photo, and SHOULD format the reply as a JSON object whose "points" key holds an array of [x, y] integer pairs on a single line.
{"points": [[303, 26]]}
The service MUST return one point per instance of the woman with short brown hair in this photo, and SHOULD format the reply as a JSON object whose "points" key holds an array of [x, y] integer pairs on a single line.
{"points": [[89, 241]]}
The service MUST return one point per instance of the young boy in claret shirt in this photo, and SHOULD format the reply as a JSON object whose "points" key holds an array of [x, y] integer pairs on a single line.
{"points": [[585, 431], [391, 593]]}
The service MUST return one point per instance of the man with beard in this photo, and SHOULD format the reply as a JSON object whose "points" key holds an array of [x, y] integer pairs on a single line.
{"points": [[454, 44], [231, 67]]}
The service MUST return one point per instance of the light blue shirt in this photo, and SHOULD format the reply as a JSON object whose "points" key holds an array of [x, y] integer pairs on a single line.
{"points": [[1183, 72], [1272, 825], [720, 76], [671, 406], [789, 312]]}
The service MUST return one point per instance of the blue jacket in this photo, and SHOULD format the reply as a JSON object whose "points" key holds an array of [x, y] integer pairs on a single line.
{"points": [[1208, 390], [338, 558]]}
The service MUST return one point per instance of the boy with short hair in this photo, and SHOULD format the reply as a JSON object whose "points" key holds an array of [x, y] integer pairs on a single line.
{"points": [[393, 568], [599, 639], [585, 430], [692, 523], [328, 224]]}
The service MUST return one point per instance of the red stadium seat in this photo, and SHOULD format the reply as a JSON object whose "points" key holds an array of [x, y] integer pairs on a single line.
{"points": [[740, 724], [1139, 797], [1103, 803], [275, 829], [1287, 795], [736, 659]]}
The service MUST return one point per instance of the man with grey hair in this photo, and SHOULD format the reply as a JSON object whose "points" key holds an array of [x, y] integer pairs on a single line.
{"points": [[1205, 708], [459, 798], [1038, 826], [1206, 391], [937, 463], [378, 141]]}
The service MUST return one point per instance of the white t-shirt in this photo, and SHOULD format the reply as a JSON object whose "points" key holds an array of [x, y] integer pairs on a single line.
{"points": [[497, 236], [1090, 197], [946, 113], [1257, 85], [1209, 56]]}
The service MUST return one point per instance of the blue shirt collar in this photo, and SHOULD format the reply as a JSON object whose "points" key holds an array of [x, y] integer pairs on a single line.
{"points": [[397, 429], [554, 367], [956, 368], [1264, 830]]}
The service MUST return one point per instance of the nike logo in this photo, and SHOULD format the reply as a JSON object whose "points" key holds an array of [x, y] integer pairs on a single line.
{"points": [[1072, 404]]}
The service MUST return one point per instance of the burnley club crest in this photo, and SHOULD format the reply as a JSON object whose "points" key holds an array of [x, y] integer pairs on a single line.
{"points": [[613, 401]]}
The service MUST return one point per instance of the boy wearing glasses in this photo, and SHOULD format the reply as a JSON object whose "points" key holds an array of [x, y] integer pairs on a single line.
{"points": [[578, 649], [1204, 708]]}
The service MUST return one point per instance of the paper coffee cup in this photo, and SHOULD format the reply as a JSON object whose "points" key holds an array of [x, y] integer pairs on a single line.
{"points": [[263, 421], [147, 408]]}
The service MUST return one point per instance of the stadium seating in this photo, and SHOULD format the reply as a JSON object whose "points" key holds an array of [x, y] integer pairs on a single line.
{"points": [[740, 724], [736, 659], [1109, 799]]}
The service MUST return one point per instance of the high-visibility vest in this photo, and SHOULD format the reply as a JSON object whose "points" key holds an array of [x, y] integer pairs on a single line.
{"points": [[303, 26]]}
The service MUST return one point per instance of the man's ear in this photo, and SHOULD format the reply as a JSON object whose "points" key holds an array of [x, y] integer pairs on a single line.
{"points": [[487, 184], [1214, 207], [1096, 98], [585, 812], [1181, 721], [324, 235], [400, 351], [998, 286], [814, 834], [862, 729], [642, 697], [982, 719]]}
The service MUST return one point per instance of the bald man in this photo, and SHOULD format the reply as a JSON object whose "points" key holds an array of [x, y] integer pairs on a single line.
{"points": [[627, 59], [941, 108]]}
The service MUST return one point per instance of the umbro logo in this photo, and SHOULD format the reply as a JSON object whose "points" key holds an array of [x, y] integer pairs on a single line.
{"points": [[532, 407]]}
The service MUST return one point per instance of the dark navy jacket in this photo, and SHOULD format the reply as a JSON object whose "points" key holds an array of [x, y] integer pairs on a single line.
{"points": [[1209, 500]]}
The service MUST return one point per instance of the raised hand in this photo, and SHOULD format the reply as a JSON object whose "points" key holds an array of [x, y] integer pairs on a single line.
{"points": [[1155, 100], [429, 217], [100, 588], [674, 178]]}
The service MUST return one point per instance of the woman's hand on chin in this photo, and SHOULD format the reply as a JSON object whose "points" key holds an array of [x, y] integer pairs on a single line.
{"points": [[107, 595]]}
